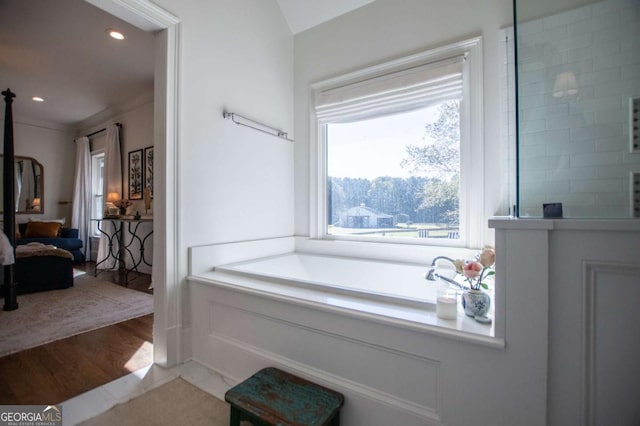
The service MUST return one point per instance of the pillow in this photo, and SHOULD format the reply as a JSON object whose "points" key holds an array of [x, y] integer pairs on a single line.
{"points": [[42, 229], [68, 233]]}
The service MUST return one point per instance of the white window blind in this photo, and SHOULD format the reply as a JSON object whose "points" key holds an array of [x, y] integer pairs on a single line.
{"points": [[404, 90]]}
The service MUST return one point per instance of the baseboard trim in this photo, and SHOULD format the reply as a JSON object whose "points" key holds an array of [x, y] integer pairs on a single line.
{"points": [[187, 347]]}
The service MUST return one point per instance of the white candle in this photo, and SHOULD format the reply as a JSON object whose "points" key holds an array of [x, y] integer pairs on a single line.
{"points": [[447, 307]]}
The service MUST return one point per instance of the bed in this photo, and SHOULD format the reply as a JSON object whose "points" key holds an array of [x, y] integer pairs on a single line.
{"points": [[41, 267]]}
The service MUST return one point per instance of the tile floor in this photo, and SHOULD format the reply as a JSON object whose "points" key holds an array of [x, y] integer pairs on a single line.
{"points": [[99, 400]]}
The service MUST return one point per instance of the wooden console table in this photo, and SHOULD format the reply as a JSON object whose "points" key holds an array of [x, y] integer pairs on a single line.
{"points": [[117, 247]]}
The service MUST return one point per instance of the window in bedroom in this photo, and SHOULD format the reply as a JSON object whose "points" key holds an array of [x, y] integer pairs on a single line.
{"points": [[395, 148], [97, 187]]}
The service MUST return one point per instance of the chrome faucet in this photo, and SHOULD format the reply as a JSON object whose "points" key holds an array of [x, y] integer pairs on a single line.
{"points": [[432, 275]]}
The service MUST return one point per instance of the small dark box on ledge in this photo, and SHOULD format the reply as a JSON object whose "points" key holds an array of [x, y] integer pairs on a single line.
{"points": [[552, 210]]}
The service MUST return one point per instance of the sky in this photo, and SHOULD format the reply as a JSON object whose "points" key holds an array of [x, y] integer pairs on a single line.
{"points": [[373, 148]]}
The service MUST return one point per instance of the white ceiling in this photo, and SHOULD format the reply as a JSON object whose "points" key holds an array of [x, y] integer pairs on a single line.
{"points": [[59, 50], [304, 14]]}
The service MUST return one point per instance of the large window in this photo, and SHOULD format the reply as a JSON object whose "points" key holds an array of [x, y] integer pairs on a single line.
{"points": [[396, 175], [395, 144], [97, 188]]}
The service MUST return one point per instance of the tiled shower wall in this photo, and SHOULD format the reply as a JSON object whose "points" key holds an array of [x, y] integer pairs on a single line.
{"points": [[577, 149]]}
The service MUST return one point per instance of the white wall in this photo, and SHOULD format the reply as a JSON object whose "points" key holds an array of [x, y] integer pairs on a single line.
{"points": [[235, 183], [137, 133], [388, 29], [576, 149], [136, 117], [53, 147]]}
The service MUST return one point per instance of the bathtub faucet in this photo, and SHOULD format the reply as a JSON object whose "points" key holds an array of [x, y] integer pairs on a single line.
{"points": [[432, 275]]}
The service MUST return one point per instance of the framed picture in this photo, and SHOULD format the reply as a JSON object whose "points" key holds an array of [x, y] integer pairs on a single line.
{"points": [[148, 169], [135, 174]]}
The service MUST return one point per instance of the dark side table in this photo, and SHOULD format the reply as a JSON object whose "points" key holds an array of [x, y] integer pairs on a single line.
{"points": [[118, 249], [274, 397]]}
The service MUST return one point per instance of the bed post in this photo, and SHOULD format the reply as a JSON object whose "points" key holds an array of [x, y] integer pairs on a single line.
{"points": [[9, 208]]}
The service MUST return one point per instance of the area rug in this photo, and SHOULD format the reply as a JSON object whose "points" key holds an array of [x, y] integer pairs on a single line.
{"points": [[175, 403], [52, 315]]}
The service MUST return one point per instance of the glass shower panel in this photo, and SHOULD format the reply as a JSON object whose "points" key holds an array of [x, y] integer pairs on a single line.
{"points": [[578, 91]]}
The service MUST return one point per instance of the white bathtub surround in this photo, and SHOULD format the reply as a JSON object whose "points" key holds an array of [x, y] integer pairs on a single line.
{"points": [[565, 295], [396, 364], [382, 290]]}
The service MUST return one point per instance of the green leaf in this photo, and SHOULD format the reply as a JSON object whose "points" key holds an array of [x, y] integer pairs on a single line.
{"points": [[491, 273], [486, 287]]}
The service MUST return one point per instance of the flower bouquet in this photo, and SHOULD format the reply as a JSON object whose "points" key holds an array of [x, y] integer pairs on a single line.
{"points": [[122, 205], [476, 303], [477, 270]]}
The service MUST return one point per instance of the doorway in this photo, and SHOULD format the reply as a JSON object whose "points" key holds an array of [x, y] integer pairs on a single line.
{"points": [[167, 301]]}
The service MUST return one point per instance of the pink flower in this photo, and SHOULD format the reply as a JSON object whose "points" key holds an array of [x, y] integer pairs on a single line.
{"points": [[472, 270]]}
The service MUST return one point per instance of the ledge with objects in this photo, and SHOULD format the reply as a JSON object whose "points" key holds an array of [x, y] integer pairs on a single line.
{"points": [[298, 271]]}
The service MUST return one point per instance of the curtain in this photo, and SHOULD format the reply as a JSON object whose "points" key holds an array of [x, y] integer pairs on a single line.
{"points": [[81, 207], [112, 183]]}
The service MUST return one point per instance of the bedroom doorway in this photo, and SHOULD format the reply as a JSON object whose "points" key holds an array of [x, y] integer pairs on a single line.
{"points": [[167, 302], [166, 340]]}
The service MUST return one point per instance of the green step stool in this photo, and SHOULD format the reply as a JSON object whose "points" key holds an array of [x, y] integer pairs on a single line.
{"points": [[274, 397]]}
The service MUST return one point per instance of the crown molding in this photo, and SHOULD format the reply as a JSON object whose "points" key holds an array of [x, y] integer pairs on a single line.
{"points": [[26, 121], [140, 13], [103, 117]]}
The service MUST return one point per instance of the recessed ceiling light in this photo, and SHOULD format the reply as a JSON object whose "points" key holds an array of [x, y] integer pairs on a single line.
{"points": [[37, 99], [115, 34]]}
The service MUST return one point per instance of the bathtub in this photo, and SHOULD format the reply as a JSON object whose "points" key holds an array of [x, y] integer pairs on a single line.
{"points": [[376, 280]]}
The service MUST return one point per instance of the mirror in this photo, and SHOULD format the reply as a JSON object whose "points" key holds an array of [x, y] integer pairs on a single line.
{"points": [[29, 185]]}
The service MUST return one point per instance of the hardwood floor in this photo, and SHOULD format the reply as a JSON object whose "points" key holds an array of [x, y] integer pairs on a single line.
{"points": [[57, 371]]}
